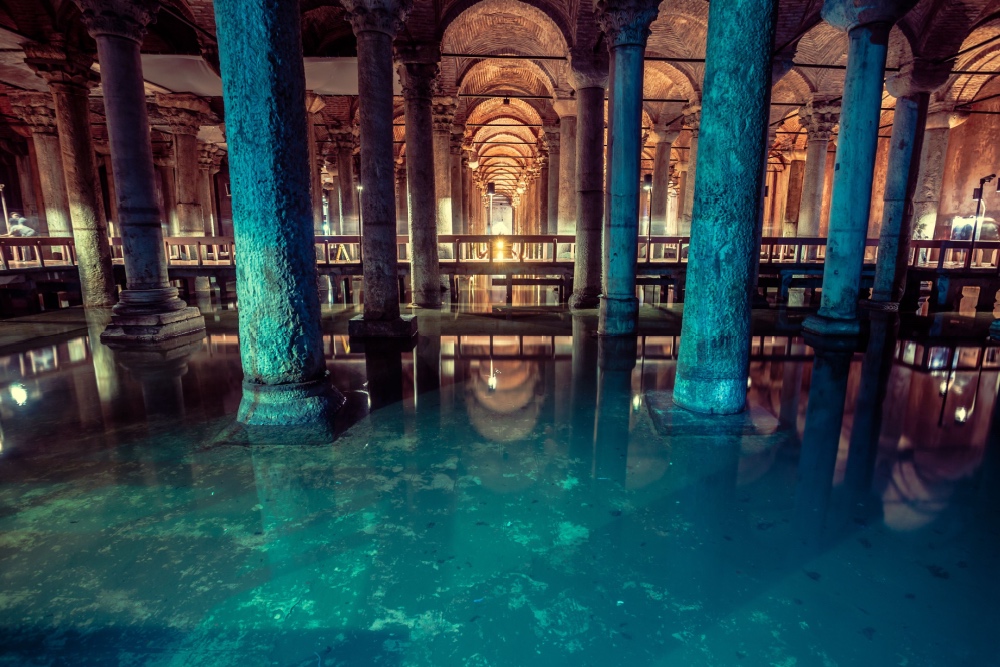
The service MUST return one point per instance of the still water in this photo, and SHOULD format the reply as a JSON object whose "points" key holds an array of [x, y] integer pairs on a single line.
{"points": [[503, 500]]}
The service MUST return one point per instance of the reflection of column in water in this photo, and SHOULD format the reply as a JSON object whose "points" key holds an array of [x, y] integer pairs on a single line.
{"points": [[584, 393], [820, 439], [427, 361], [616, 359], [989, 476], [384, 370], [159, 372], [105, 367], [791, 389]]}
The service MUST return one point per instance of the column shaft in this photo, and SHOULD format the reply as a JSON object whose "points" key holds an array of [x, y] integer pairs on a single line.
{"points": [[568, 183], [190, 216], [29, 198], [793, 203], [928, 194], [167, 191], [590, 198], [53, 183], [811, 203], [348, 192], [457, 217], [714, 355], [661, 180], [689, 194], [552, 219]]}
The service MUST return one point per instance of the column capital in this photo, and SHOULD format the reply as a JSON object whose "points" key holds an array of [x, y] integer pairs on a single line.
{"points": [[626, 22], [692, 117], [163, 153], [457, 140], [385, 16], [588, 68], [182, 113], [120, 18], [552, 137], [443, 112], [819, 117], [417, 79], [35, 109], [207, 155], [918, 76], [60, 66], [564, 107], [342, 139], [665, 136], [850, 14]]}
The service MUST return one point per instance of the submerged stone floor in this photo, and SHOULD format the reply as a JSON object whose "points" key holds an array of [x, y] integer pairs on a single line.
{"points": [[562, 517]]}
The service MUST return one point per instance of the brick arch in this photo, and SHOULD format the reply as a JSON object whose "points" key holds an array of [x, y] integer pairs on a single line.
{"points": [[965, 88], [823, 44], [550, 17], [485, 110], [487, 76]]}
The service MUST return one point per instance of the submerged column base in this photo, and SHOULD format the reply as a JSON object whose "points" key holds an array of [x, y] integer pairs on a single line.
{"points": [[145, 317], [619, 316], [404, 327], [584, 300], [288, 404], [822, 325], [711, 396]]}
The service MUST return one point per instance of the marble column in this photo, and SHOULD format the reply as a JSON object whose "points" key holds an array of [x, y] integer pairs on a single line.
{"points": [[867, 29], [263, 84], [418, 79], [345, 182], [37, 111], [661, 181], [443, 108], [819, 118], [626, 24], [568, 186], [714, 357], [315, 104], [375, 23], [589, 77], [927, 197], [555, 160], [692, 122], [70, 78], [458, 223]]}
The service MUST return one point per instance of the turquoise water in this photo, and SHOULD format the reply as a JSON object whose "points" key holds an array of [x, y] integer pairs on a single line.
{"points": [[502, 500]]}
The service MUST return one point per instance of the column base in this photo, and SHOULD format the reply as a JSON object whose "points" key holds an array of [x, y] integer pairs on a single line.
{"points": [[711, 396], [619, 316], [145, 317], [670, 418], [583, 301], [404, 327], [821, 325], [288, 404]]}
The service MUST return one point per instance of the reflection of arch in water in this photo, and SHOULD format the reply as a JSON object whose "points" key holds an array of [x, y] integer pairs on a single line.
{"points": [[510, 411]]}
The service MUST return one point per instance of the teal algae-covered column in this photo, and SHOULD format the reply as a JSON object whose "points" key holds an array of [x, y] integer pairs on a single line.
{"points": [[263, 78], [911, 88], [867, 26], [375, 23], [589, 77], [626, 24], [148, 310], [728, 193], [417, 75]]}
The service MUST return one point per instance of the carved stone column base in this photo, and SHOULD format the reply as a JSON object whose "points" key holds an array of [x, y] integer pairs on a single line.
{"points": [[404, 327], [289, 404], [128, 328], [583, 301], [821, 325]]}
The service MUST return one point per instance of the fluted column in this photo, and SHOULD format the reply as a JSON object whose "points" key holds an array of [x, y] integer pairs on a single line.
{"points": [[443, 114], [661, 181], [568, 185], [70, 78], [714, 357], [589, 77], [263, 84], [458, 224], [927, 197], [692, 122], [626, 24], [417, 79], [38, 113], [555, 160], [375, 23], [819, 118], [867, 29]]}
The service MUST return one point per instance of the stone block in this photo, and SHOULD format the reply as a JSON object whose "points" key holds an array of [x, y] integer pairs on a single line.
{"points": [[153, 328]]}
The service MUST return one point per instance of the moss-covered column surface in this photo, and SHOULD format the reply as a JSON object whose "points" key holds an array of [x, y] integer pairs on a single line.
{"points": [[285, 377], [69, 76], [715, 335], [867, 26], [417, 79], [626, 23], [589, 77], [375, 23]]}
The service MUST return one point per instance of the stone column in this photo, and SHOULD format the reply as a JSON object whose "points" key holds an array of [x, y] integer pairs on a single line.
{"points": [[555, 160], [568, 185], [263, 85], [163, 161], [626, 24], [375, 23], [543, 195], [713, 363], [443, 115], [927, 197], [469, 197], [819, 118], [37, 111], [911, 87], [867, 29], [661, 182], [112, 206], [793, 200], [402, 216], [589, 77], [692, 122], [182, 115], [315, 104], [70, 78], [417, 79], [207, 168], [149, 310], [25, 178], [458, 223], [345, 182]]}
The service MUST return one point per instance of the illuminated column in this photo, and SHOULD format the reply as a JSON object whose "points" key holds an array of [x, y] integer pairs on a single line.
{"points": [[626, 24], [402, 216], [163, 161], [661, 180], [344, 141], [183, 115], [37, 112], [927, 197], [566, 218], [867, 29], [793, 195], [443, 114], [819, 118], [70, 79], [425, 274], [263, 84], [692, 122], [714, 357], [555, 159], [375, 23], [457, 200]]}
